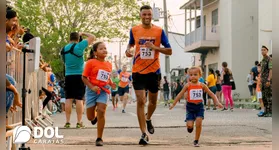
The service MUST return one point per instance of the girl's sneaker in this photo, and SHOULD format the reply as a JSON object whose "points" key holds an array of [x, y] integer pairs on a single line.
{"points": [[231, 109], [196, 143], [99, 142]]}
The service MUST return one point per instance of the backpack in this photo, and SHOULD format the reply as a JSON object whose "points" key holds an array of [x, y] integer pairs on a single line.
{"points": [[71, 51]]}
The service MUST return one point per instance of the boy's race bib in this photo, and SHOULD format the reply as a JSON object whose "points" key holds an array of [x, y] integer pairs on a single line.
{"points": [[196, 94]]}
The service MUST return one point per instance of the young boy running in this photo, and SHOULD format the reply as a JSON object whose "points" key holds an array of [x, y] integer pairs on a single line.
{"points": [[195, 107]]}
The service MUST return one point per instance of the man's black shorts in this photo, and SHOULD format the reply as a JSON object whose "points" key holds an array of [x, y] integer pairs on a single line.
{"points": [[74, 87], [150, 81]]}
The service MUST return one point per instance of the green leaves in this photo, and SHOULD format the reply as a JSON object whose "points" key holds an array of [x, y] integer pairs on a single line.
{"points": [[53, 20]]}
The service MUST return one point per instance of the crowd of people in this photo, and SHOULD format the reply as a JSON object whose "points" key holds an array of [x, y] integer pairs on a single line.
{"points": [[90, 84], [16, 37], [259, 83]]}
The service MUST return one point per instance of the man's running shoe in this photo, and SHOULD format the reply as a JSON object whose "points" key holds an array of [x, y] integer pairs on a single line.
{"points": [[67, 125], [150, 127], [144, 139]]}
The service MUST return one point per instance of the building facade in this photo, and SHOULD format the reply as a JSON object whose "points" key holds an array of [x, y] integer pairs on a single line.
{"points": [[229, 31]]}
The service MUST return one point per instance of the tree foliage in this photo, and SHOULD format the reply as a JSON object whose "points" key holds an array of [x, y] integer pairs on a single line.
{"points": [[53, 20]]}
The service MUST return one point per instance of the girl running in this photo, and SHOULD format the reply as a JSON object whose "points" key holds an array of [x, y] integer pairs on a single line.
{"points": [[96, 77], [195, 107]]}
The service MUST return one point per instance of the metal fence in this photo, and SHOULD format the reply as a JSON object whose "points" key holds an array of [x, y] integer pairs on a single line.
{"points": [[34, 82]]}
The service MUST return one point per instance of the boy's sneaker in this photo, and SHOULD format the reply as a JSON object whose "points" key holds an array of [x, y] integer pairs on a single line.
{"points": [[150, 127], [214, 108], [261, 114], [80, 125], [99, 142], [67, 125], [196, 143], [144, 139], [123, 111], [93, 122]]}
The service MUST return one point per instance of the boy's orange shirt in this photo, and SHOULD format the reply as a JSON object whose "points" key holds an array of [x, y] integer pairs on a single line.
{"points": [[98, 72], [195, 93]]}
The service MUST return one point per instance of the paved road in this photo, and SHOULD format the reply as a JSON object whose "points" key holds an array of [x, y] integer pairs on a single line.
{"points": [[237, 130]]}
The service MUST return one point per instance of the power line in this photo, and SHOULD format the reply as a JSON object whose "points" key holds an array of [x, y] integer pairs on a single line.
{"points": [[177, 41], [178, 14], [171, 20]]}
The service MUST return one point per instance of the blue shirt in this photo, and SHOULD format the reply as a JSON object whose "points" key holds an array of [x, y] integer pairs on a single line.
{"points": [[62, 93], [75, 65], [201, 80]]}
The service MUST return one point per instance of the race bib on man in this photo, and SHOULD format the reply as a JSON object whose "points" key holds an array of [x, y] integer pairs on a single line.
{"points": [[196, 94], [103, 75], [124, 79], [146, 53]]}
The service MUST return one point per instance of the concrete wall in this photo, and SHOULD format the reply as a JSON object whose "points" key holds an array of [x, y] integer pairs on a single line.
{"points": [[244, 33], [178, 57], [213, 56], [265, 24], [225, 49]]}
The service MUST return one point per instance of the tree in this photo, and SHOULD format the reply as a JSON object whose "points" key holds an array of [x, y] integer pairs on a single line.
{"points": [[53, 20]]}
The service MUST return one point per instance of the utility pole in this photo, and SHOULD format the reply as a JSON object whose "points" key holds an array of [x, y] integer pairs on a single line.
{"points": [[167, 57], [120, 55]]}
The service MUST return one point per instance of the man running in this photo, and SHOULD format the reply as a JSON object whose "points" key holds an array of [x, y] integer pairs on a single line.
{"points": [[146, 73]]}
